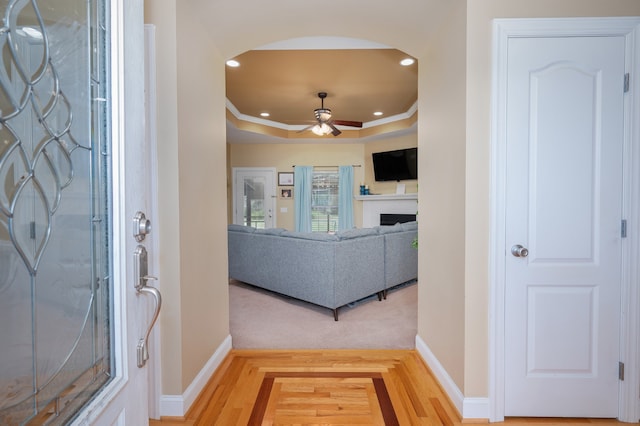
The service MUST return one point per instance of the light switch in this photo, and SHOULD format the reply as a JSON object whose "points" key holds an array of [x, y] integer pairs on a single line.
{"points": [[283, 209]]}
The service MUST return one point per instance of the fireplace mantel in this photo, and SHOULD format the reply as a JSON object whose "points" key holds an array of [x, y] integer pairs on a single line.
{"points": [[382, 197], [374, 205]]}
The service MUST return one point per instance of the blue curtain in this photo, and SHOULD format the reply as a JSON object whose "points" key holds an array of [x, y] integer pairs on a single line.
{"points": [[302, 181], [345, 198]]}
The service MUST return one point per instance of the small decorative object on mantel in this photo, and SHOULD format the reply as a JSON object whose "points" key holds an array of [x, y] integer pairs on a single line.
{"points": [[364, 189]]}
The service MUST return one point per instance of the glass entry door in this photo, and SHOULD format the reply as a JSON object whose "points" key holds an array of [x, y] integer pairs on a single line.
{"points": [[254, 197], [55, 209]]}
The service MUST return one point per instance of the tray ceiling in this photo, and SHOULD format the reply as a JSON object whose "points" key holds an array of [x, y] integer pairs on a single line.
{"points": [[285, 84]]}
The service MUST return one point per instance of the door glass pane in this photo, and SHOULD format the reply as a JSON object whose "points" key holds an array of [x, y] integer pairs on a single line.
{"points": [[55, 339], [254, 208]]}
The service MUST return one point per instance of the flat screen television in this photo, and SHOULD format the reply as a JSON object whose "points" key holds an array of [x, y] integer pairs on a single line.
{"points": [[401, 164]]}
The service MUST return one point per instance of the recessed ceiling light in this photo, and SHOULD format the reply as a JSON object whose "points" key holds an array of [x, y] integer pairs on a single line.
{"points": [[233, 63], [407, 61], [264, 114], [378, 113]]}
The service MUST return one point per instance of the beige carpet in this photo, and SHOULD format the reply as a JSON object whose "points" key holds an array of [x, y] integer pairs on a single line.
{"points": [[263, 320]]}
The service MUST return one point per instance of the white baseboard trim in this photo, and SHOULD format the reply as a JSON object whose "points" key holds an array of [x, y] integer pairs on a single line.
{"points": [[469, 408], [475, 408], [177, 405]]}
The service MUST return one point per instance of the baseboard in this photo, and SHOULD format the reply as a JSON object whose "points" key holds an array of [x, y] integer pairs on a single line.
{"points": [[178, 405], [469, 408]]}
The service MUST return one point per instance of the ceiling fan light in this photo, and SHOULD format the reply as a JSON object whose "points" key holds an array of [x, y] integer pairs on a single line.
{"points": [[317, 129], [321, 129]]}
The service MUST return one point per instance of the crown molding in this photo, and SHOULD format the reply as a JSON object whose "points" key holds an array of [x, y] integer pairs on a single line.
{"points": [[259, 123]]}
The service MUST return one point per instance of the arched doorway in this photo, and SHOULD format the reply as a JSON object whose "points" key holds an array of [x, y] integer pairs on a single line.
{"points": [[283, 78]]}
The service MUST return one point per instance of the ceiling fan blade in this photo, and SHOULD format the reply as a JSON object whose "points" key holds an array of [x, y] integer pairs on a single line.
{"points": [[306, 128], [334, 129], [347, 123]]}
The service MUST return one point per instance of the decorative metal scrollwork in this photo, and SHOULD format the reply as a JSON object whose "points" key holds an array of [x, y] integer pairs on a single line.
{"points": [[33, 171]]}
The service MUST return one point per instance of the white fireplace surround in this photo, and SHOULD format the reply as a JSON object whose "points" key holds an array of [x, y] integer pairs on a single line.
{"points": [[374, 205]]}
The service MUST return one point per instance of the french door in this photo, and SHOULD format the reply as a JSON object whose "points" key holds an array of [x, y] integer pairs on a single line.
{"points": [[71, 183], [254, 197]]}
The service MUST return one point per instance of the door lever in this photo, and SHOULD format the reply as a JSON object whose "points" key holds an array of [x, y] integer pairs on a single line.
{"points": [[141, 276], [143, 343]]}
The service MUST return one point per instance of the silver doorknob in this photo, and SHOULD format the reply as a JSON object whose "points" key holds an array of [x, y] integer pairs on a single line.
{"points": [[519, 251]]}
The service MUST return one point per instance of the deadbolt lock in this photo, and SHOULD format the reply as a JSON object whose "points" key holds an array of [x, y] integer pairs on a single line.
{"points": [[141, 226]]}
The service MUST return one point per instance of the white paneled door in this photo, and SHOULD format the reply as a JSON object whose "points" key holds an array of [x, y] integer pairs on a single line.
{"points": [[565, 135]]}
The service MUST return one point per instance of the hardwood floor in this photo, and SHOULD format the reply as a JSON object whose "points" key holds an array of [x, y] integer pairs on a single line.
{"points": [[329, 387]]}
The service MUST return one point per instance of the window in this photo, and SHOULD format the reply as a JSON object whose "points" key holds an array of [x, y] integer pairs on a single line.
{"points": [[324, 201]]}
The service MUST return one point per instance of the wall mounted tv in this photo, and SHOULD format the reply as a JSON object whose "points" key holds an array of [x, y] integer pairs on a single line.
{"points": [[401, 164]]}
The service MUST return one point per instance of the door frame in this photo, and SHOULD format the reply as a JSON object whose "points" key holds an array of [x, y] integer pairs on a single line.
{"points": [[117, 402], [503, 30], [151, 142], [274, 184]]}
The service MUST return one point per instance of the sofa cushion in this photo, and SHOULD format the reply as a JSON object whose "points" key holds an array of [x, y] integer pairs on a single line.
{"points": [[240, 228], [348, 234], [409, 226], [316, 236], [270, 231], [388, 229]]}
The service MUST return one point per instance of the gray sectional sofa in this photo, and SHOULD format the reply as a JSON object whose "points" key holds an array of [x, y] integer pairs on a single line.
{"points": [[329, 270], [400, 258]]}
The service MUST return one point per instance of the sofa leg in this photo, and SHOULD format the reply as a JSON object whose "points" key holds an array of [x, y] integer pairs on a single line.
{"points": [[335, 314], [379, 296], [384, 294]]}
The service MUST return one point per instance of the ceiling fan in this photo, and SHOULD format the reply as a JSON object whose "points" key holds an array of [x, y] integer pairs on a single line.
{"points": [[325, 124]]}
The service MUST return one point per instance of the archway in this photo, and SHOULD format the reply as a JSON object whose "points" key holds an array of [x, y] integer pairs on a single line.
{"points": [[273, 144]]}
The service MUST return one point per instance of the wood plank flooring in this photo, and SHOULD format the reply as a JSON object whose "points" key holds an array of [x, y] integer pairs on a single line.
{"points": [[329, 387]]}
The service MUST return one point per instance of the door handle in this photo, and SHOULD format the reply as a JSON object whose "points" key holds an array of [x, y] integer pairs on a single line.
{"points": [[143, 343], [519, 251], [141, 279]]}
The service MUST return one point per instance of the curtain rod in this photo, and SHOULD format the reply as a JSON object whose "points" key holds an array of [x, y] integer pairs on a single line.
{"points": [[352, 165]]}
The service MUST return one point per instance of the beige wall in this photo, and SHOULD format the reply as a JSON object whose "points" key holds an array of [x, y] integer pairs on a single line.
{"points": [[201, 164], [193, 267], [163, 15], [441, 103], [284, 156], [453, 137]]}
